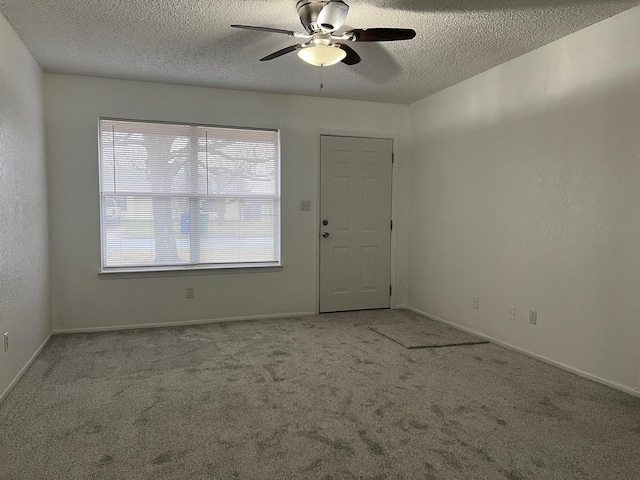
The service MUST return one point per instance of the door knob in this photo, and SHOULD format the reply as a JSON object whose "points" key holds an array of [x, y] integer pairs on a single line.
{"points": [[325, 234]]}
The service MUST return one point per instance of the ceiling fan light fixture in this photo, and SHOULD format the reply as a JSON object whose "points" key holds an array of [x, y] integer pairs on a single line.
{"points": [[322, 55]]}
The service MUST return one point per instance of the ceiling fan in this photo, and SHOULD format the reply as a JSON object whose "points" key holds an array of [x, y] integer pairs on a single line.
{"points": [[322, 45]]}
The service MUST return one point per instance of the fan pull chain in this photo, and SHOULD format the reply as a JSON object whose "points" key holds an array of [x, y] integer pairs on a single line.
{"points": [[321, 83]]}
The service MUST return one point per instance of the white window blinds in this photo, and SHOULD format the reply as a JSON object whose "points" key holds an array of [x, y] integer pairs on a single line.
{"points": [[188, 196]]}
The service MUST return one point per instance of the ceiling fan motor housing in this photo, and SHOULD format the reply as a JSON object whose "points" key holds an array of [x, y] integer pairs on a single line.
{"points": [[309, 10]]}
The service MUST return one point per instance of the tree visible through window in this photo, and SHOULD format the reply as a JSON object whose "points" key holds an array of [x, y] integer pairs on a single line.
{"points": [[190, 196]]}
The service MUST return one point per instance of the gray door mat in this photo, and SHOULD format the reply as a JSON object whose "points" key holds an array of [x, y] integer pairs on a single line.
{"points": [[425, 334]]}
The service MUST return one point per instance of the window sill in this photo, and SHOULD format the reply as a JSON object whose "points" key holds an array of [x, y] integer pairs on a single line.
{"points": [[187, 272]]}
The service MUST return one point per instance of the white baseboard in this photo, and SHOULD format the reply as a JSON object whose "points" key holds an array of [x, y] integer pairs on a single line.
{"points": [[595, 378], [24, 369], [178, 324]]}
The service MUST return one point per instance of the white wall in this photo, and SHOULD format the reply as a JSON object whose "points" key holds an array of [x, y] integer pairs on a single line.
{"points": [[24, 260], [525, 190], [83, 300]]}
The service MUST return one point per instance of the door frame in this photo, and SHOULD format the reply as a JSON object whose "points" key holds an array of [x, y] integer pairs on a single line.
{"points": [[320, 132]]}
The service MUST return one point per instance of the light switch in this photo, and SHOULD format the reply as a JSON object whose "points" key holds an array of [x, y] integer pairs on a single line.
{"points": [[305, 206]]}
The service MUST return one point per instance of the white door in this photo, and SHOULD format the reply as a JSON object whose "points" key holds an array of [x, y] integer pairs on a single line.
{"points": [[355, 217]]}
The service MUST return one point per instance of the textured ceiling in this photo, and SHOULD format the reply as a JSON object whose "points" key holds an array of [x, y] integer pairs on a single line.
{"points": [[190, 41]]}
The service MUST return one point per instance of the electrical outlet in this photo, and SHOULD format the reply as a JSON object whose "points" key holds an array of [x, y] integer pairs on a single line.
{"points": [[6, 341], [512, 313], [476, 301], [533, 317], [191, 292]]}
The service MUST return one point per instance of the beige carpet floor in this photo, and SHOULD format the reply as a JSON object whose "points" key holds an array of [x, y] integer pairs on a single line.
{"points": [[321, 397]]}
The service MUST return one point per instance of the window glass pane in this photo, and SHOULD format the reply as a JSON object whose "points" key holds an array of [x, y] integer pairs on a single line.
{"points": [[149, 231], [188, 195], [237, 230]]}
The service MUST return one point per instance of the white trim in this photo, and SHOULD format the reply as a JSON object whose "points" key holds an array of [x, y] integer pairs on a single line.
{"points": [[178, 324], [193, 263], [316, 241], [187, 124], [395, 144], [631, 391], [24, 369], [115, 272]]}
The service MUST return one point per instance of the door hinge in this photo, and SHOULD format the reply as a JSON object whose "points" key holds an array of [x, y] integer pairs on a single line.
{"points": [[391, 224], [393, 157], [389, 290]]}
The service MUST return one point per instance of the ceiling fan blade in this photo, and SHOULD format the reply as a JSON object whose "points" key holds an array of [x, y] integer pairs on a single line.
{"points": [[352, 56], [380, 34], [279, 53], [291, 33], [333, 15]]}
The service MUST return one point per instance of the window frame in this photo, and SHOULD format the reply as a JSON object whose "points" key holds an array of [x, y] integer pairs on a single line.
{"points": [[190, 268]]}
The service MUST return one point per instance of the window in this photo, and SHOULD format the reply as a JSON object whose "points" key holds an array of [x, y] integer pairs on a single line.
{"points": [[177, 196]]}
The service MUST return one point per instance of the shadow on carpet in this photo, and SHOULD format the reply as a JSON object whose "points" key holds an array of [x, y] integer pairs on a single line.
{"points": [[425, 334]]}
